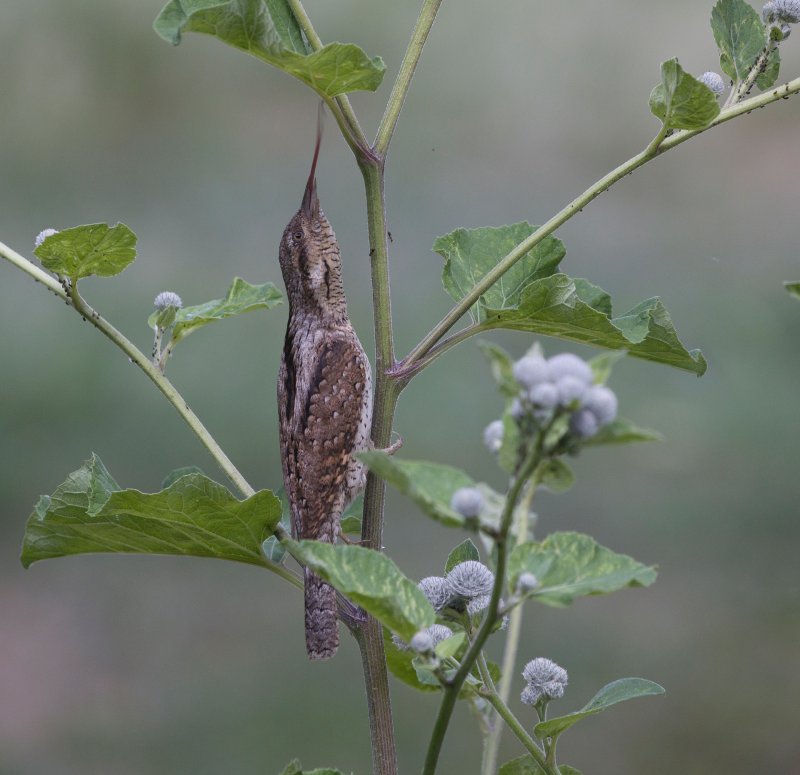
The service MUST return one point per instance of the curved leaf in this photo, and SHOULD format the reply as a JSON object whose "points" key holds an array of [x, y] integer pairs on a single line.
{"points": [[740, 35], [94, 249], [195, 516], [371, 580], [570, 565], [622, 431], [611, 694], [466, 550], [681, 101], [267, 29], [526, 765]]}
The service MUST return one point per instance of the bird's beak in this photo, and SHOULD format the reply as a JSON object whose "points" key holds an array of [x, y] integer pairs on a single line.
{"points": [[310, 206]]}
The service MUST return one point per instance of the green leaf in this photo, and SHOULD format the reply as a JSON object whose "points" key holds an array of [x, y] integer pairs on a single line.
{"points": [[267, 30], [241, 297], [526, 765], [793, 288], [603, 364], [195, 516], [681, 101], [449, 647], [463, 552], [501, 364], [611, 694], [622, 431], [553, 306], [293, 768], [96, 249], [470, 253], [273, 550], [352, 517], [173, 476], [429, 485], [740, 35], [371, 580], [769, 75], [555, 475], [400, 664], [570, 565]]}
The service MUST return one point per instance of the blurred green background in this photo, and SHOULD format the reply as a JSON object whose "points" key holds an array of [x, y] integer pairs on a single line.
{"points": [[122, 665]]}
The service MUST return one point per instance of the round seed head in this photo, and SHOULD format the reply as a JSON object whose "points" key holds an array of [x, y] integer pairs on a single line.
{"points": [[467, 501], [167, 299], [567, 364], [531, 370], [583, 424], [43, 235], [545, 679], [478, 604], [493, 435], [544, 395], [527, 582], [713, 81], [436, 590], [470, 579], [601, 402], [570, 390], [422, 642], [438, 633]]}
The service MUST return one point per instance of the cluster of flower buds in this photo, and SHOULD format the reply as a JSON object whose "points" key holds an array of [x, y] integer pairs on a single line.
{"points": [[562, 384], [467, 587], [545, 681]]}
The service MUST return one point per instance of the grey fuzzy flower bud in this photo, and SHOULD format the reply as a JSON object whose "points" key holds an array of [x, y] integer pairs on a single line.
{"points": [[422, 642], [470, 579], [567, 364], [545, 679], [781, 11], [713, 81], [544, 395], [570, 390], [601, 402], [436, 590], [467, 501], [438, 633], [530, 370], [493, 435], [583, 424], [43, 235], [527, 582], [167, 299], [478, 604]]}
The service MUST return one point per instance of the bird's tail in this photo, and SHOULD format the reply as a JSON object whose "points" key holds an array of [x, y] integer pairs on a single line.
{"points": [[322, 619]]}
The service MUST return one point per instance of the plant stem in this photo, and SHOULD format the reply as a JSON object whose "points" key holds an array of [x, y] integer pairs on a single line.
{"points": [[492, 741], [425, 20], [744, 87], [490, 615], [575, 206]]}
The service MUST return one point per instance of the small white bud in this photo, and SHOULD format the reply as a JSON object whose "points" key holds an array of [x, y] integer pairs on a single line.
{"points": [[422, 642], [436, 590], [583, 424], [602, 403], [544, 395], [713, 81], [570, 390], [530, 370], [43, 235], [467, 501], [470, 579], [167, 299], [526, 583], [493, 436], [545, 679], [567, 364]]}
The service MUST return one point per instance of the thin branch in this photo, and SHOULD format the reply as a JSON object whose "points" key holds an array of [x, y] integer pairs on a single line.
{"points": [[490, 278], [407, 67]]}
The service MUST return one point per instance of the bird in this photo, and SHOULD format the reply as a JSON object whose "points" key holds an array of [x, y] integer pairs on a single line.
{"points": [[324, 400]]}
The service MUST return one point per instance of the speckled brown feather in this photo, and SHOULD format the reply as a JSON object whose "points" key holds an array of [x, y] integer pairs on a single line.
{"points": [[324, 402]]}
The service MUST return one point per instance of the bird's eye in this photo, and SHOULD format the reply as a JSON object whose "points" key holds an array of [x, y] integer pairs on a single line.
{"points": [[297, 236]]}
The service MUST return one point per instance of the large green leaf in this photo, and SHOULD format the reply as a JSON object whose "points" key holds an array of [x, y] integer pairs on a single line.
{"points": [[740, 35], [470, 253], [372, 580], [429, 485], [793, 288], [193, 516], [622, 431], [526, 765], [560, 306], [611, 694], [241, 297], [95, 249], [268, 30], [681, 101], [570, 565]]}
